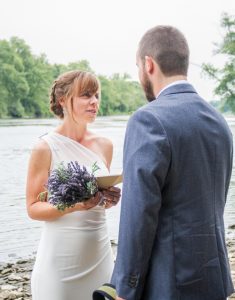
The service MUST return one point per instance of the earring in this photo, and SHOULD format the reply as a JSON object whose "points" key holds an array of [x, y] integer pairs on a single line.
{"points": [[65, 112]]}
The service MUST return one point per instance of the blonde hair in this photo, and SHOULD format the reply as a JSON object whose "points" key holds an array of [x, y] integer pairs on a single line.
{"points": [[69, 84]]}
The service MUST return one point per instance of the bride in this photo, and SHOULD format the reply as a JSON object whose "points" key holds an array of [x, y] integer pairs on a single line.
{"points": [[74, 256]]}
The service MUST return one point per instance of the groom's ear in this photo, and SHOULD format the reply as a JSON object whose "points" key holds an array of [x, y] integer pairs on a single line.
{"points": [[149, 65]]}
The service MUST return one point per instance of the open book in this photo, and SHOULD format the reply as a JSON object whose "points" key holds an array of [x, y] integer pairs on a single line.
{"points": [[109, 180]]}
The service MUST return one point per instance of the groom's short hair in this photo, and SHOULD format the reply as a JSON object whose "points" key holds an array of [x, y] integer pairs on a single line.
{"points": [[168, 47]]}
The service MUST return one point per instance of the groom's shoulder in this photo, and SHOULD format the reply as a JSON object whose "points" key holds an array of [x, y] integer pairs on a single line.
{"points": [[146, 116], [141, 113], [149, 110]]}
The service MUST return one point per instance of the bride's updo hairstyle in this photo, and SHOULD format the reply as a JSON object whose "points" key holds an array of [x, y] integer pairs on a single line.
{"points": [[72, 84]]}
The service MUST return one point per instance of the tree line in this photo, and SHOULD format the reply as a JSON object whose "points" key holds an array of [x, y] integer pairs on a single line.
{"points": [[25, 81], [224, 77]]}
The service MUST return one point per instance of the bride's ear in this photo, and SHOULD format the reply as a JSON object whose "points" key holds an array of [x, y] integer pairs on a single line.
{"points": [[65, 103], [62, 101], [64, 106]]}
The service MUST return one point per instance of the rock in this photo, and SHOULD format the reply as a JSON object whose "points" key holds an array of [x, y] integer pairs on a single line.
{"points": [[14, 277], [4, 295], [8, 287], [22, 261], [231, 226], [3, 266], [21, 270], [9, 295], [6, 271], [26, 277], [14, 295]]}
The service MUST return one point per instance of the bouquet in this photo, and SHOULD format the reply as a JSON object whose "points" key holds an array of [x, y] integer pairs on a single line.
{"points": [[71, 184]]}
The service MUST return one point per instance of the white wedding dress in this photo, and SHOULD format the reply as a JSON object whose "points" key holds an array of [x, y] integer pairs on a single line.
{"points": [[74, 255]]}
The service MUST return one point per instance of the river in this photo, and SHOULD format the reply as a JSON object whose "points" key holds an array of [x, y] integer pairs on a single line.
{"points": [[19, 235]]}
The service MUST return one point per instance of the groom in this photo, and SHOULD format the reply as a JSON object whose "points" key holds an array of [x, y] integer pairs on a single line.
{"points": [[177, 168]]}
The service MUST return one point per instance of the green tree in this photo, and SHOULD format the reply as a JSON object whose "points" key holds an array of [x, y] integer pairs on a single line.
{"points": [[25, 81], [120, 94], [82, 65], [107, 96], [13, 84], [225, 77], [39, 75]]}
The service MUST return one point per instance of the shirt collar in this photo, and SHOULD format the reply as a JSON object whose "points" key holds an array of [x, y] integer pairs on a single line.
{"points": [[171, 84]]}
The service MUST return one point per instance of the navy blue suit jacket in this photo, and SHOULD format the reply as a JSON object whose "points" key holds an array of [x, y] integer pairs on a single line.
{"points": [[177, 168]]}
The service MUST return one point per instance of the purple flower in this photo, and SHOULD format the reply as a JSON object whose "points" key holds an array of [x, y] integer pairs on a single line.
{"points": [[71, 184]]}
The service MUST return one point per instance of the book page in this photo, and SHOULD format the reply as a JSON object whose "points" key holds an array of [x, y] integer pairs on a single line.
{"points": [[109, 180]]}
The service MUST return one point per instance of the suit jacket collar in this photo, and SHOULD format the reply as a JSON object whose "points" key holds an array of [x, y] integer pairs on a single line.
{"points": [[177, 89]]}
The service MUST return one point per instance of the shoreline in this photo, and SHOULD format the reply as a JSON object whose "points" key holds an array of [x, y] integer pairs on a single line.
{"points": [[15, 276]]}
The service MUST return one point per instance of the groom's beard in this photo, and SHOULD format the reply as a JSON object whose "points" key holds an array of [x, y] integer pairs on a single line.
{"points": [[148, 88]]}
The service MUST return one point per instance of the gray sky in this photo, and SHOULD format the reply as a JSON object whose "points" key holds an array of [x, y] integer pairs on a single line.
{"points": [[107, 32]]}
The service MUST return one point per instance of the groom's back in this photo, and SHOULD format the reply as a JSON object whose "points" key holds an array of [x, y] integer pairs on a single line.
{"points": [[190, 253]]}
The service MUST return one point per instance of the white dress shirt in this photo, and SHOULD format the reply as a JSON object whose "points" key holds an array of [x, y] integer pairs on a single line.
{"points": [[171, 84]]}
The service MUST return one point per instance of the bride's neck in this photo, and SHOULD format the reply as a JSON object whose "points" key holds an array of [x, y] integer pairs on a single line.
{"points": [[74, 131]]}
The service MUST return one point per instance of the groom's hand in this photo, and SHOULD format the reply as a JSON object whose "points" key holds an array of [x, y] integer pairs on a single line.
{"points": [[118, 298], [111, 196]]}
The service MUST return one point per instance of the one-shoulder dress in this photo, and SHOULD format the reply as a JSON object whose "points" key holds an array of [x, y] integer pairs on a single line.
{"points": [[74, 256]]}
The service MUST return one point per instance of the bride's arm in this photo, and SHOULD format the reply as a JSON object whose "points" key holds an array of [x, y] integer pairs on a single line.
{"points": [[38, 171]]}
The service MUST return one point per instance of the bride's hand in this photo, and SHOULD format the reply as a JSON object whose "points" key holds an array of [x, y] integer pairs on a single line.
{"points": [[110, 196], [92, 202]]}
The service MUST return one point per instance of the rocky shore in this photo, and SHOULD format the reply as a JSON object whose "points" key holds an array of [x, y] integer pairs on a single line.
{"points": [[15, 277]]}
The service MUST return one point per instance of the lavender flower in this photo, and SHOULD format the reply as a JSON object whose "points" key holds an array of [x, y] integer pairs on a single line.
{"points": [[71, 184]]}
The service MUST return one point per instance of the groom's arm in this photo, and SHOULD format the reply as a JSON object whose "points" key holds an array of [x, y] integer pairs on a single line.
{"points": [[146, 161]]}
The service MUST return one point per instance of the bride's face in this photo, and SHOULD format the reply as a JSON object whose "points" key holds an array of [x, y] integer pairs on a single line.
{"points": [[85, 108]]}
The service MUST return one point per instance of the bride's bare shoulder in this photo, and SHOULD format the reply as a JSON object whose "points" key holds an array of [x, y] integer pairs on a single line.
{"points": [[103, 146], [41, 145], [41, 151], [102, 141]]}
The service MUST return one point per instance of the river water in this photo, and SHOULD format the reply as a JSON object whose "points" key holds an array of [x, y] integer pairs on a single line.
{"points": [[19, 235]]}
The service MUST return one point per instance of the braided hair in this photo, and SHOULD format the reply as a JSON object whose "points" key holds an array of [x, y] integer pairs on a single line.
{"points": [[69, 84]]}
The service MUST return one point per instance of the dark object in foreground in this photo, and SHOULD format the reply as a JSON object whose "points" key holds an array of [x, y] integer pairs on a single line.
{"points": [[106, 291]]}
